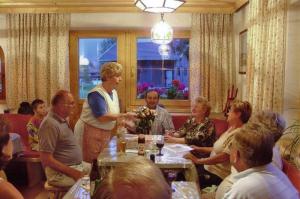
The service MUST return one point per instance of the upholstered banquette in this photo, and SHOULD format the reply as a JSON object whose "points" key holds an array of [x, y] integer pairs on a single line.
{"points": [[25, 168]]}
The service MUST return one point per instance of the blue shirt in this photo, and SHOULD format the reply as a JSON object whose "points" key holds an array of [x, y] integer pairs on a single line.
{"points": [[98, 104]]}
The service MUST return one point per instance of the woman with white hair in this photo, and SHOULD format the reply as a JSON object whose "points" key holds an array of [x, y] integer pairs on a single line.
{"points": [[100, 112]]}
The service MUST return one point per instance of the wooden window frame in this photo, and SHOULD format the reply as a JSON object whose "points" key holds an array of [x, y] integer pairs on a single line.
{"points": [[127, 57], [172, 105]]}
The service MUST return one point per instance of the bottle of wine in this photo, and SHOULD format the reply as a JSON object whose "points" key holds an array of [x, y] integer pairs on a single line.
{"points": [[141, 144], [94, 177]]}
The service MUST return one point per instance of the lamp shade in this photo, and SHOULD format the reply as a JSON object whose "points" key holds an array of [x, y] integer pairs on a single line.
{"points": [[159, 6], [161, 33]]}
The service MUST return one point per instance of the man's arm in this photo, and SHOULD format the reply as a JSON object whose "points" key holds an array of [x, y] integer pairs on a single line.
{"points": [[49, 161]]}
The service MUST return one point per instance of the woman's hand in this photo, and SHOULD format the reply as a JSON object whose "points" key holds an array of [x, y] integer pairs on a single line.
{"points": [[196, 148], [193, 158]]}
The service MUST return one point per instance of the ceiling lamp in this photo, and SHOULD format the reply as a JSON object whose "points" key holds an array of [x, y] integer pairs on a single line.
{"points": [[159, 6], [161, 33]]}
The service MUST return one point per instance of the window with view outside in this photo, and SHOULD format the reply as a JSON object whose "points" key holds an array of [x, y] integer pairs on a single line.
{"points": [[167, 72], [93, 52]]}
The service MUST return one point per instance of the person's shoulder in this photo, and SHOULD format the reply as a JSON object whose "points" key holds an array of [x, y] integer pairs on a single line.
{"points": [[7, 190], [162, 109]]}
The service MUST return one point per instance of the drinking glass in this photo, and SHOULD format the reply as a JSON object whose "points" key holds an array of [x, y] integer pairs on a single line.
{"points": [[160, 143]]}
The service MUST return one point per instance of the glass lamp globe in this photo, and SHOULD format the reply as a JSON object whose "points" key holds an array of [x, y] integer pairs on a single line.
{"points": [[161, 33]]}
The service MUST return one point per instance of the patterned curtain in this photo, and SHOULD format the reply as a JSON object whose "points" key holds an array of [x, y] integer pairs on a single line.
{"points": [[211, 58], [37, 58], [266, 54]]}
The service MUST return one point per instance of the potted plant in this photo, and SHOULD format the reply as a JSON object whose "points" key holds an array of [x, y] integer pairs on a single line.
{"points": [[290, 144]]}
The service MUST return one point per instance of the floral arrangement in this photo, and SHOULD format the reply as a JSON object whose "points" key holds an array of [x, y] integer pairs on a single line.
{"points": [[177, 90], [145, 117]]}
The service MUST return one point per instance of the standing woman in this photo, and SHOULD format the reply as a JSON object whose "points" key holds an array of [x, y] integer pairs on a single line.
{"points": [[99, 112], [7, 190]]}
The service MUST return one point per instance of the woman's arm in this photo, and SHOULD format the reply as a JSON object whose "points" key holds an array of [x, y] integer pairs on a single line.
{"points": [[219, 158], [202, 149], [171, 139]]}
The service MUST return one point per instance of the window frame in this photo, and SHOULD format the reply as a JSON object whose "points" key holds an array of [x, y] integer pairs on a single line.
{"points": [[172, 105], [74, 58], [126, 55], [3, 93]]}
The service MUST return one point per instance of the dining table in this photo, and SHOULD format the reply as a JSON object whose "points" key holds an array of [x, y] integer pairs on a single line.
{"points": [[172, 158]]}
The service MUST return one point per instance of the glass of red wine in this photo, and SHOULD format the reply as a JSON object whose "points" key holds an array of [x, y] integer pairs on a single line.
{"points": [[160, 143]]}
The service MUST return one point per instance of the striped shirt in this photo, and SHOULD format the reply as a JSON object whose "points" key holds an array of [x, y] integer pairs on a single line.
{"points": [[162, 121]]}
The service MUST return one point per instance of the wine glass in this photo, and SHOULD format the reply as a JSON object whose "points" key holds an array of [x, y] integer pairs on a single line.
{"points": [[160, 143]]}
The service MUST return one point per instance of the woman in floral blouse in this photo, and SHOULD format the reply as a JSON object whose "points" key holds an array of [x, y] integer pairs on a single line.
{"points": [[198, 130], [39, 109]]}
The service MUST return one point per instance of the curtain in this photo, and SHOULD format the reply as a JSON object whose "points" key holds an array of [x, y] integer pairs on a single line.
{"points": [[37, 57], [211, 58], [266, 54]]}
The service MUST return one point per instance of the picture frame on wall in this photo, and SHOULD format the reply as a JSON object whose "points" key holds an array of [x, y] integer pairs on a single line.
{"points": [[243, 52]]}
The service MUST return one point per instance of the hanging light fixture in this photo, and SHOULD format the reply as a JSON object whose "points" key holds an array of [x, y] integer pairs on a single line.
{"points": [[159, 6], [162, 32]]}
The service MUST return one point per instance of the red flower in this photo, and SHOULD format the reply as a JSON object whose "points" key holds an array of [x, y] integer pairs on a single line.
{"points": [[176, 83]]}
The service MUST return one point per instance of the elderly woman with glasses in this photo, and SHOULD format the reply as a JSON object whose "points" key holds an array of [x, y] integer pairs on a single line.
{"points": [[217, 166]]}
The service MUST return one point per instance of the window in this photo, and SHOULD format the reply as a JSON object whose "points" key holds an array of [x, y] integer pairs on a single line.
{"points": [[93, 52], [164, 71], [2, 75], [143, 65]]}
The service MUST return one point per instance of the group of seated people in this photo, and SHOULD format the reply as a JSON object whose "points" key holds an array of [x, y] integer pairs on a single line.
{"points": [[244, 161]]}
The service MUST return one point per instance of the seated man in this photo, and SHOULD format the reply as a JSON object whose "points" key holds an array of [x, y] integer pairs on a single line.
{"points": [[136, 179], [59, 151], [163, 120], [251, 155], [39, 109]]}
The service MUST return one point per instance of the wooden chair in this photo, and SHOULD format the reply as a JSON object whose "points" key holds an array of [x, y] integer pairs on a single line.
{"points": [[55, 192], [231, 95]]}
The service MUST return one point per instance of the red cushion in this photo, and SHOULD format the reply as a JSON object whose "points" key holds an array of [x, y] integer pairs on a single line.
{"points": [[18, 124], [179, 120], [292, 173], [220, 125]]}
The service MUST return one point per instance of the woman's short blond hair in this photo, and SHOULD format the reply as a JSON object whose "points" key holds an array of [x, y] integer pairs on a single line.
{"points": [[273, 121], [110, 69], [205, 102], [138, 178], [255, 144], [244, 108]]}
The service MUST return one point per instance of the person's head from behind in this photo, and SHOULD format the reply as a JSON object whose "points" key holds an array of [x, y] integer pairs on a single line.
{"points": [[111, 73], [39, 107], [239, 112], [151, 98], [63, 103], [25, 108], [201, 107], [273, 121], [6, 146], [252, 146], [137, 179]]}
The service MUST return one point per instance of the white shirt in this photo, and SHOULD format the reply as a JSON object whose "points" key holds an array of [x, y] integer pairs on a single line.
{"points": [[265, 182]]}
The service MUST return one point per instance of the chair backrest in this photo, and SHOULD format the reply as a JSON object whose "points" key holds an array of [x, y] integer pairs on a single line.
{"points": [[292, 173], [18, 124]]}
